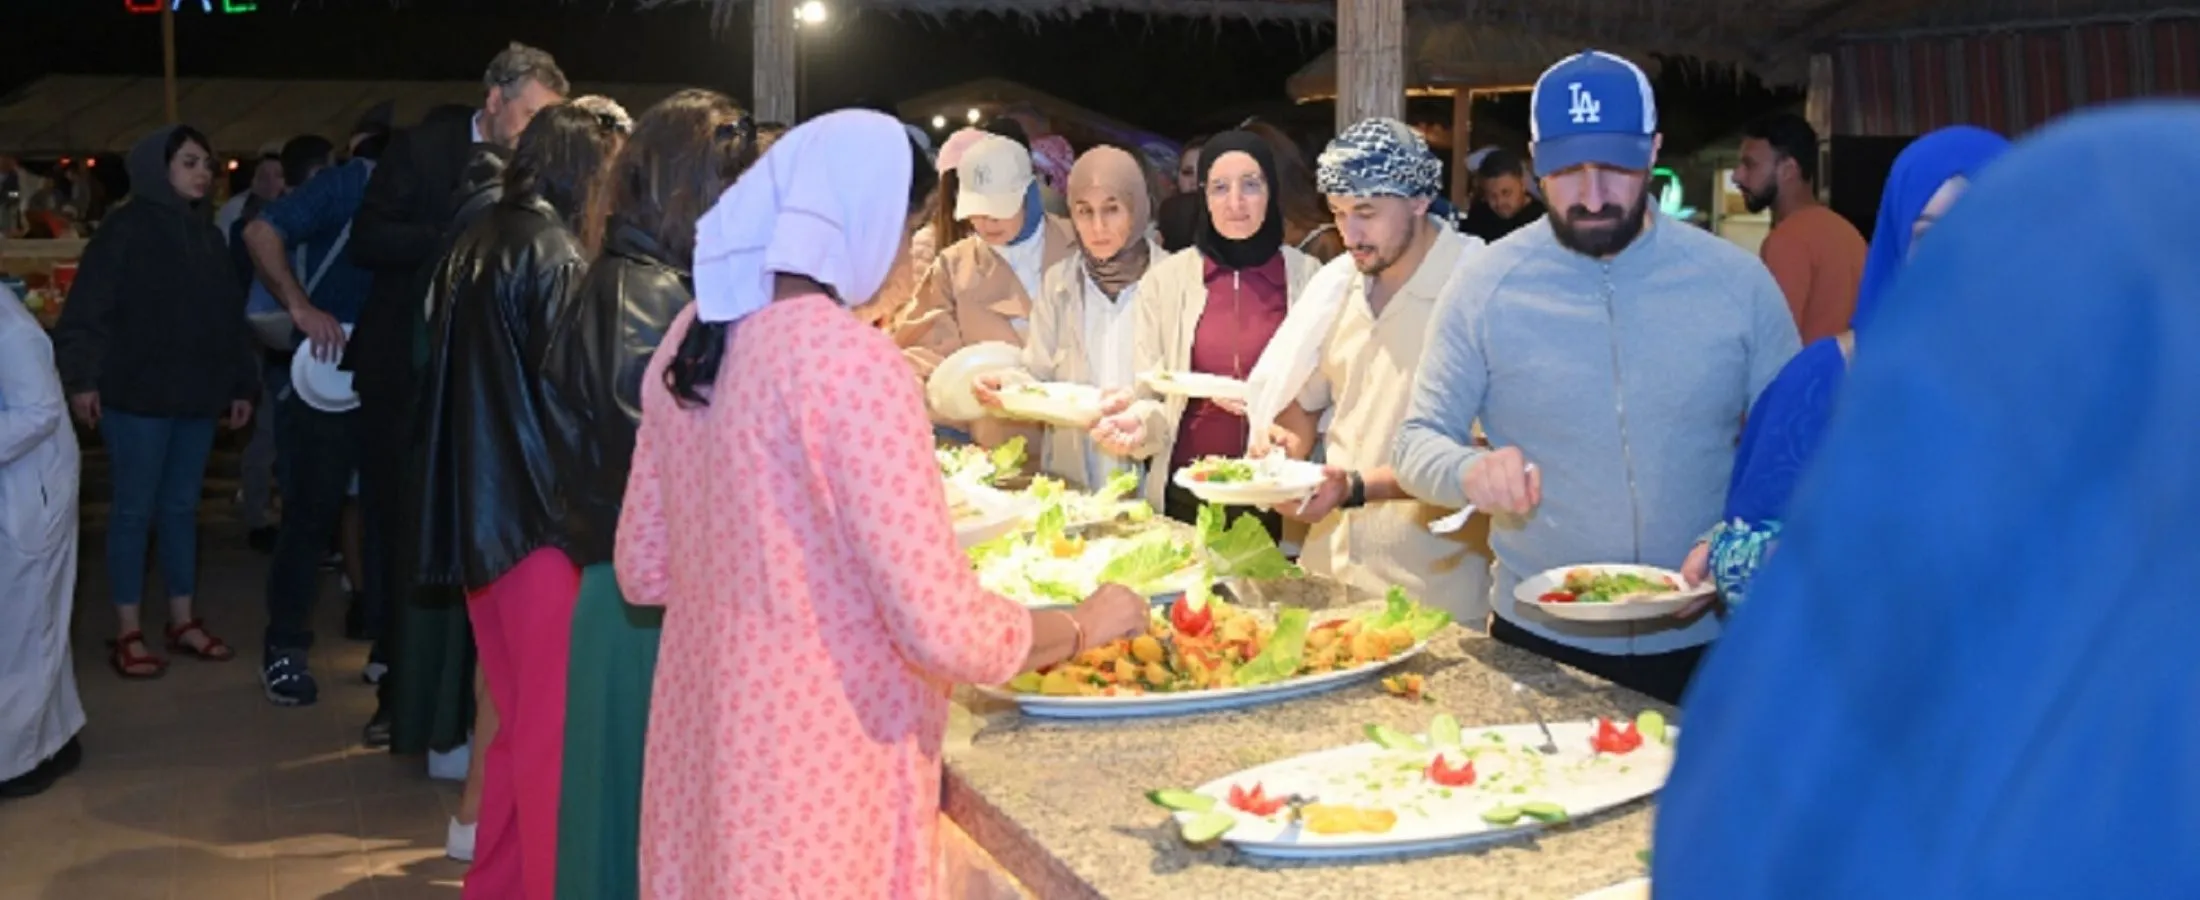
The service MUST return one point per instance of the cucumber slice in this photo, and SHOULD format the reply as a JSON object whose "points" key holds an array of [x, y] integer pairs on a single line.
{"points": [[1502, 815], [1544, 812], [1207, 826], [1392, 739], [1444, 730], [1651, 725], [1181, 801]]}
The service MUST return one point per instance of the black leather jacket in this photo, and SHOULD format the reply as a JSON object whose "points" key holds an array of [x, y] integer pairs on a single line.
{"points": [[599, 350], [489, 491]]}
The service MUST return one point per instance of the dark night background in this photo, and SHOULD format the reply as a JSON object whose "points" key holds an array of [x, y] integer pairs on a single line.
{"points": [[1171, 76]]}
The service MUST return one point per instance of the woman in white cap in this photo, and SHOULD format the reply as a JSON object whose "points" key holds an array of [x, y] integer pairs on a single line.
{"points": [[1084, 322], [784, 499], [981, 286]]}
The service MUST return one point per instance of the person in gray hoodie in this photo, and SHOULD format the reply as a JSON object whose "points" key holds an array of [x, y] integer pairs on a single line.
{"points": [[1610, 355]]}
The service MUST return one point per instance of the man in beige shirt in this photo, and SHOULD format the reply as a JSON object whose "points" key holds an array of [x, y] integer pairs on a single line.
{"points": [[1380, 179]]}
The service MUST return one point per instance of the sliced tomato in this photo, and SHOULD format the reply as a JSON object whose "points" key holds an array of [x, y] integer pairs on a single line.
{"points": [[1441, 772], [1613, 739], [1190, 622], [1555, 597], [1255, 802]]}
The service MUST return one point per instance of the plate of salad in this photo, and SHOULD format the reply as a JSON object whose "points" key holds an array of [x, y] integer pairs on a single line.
{"points": [[1203, 654], [1265, 481], [1049, 567], [972, 464], [1445, 788], [1608, 593], [1052, 402], [1195, 385]]}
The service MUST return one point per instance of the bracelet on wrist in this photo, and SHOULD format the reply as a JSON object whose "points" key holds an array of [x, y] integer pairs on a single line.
{"points": [[1078, 646], [1356, 494]]}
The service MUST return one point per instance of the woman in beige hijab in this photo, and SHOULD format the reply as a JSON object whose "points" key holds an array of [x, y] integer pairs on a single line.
{"points": [[1083, 328]]}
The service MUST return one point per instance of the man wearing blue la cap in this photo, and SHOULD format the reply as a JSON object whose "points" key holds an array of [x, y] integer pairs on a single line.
{"points": [[1609, 357]]}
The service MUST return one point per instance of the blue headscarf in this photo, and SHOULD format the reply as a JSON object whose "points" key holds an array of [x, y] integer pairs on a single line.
{"points": [[1969, 670], [1789, 419], [1035, 213], [1919, 171]]}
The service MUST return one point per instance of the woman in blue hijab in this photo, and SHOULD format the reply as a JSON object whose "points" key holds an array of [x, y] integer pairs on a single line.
{"points": [[1788, 419], [1969, 671]]}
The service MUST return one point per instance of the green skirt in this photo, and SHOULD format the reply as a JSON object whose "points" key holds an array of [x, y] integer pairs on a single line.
{"points": [[610, 667], [431, 672]]}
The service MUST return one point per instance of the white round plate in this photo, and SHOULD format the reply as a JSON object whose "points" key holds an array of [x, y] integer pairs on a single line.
{"points": [[1139, 706], [1053, 402], [1626, 610], [1431, 819], [1286, 480], [1196, 385], [321, 385], [998, 513], [948, 390]]}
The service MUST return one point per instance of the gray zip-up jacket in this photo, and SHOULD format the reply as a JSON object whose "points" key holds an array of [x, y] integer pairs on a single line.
{"points": [[1624, 380]]}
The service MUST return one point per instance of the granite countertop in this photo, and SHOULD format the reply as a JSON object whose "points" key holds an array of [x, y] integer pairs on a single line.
{"points": [[1061, 805]]}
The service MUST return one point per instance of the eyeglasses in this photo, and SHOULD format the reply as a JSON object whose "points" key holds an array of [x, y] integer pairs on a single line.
{"points": [[611, 123], [742, 130]]}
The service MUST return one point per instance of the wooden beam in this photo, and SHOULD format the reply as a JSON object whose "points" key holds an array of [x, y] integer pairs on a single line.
{"points": [[168, 60], [1818, 110], [773, 38], [1462, 144], [1371, 60]]}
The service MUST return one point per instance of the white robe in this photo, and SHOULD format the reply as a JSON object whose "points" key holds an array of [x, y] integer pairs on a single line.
{"points": [[39, 710]]}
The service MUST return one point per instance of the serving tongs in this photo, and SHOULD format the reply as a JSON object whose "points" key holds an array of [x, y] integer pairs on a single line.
{"points": [[1458, 520]]}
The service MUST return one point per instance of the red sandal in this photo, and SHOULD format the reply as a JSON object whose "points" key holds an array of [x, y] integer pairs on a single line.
{"points": [[135, 665], [213, 651]]}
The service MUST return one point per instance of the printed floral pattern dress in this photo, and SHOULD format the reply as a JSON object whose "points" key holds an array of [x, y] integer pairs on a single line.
{"points": [[817, 610]]}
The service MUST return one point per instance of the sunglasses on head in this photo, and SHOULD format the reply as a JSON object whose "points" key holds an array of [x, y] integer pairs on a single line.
{"points": [[743, 129], [611, 123]]}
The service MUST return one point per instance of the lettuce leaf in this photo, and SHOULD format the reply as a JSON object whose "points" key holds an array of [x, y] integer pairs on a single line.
{"points": [[1007, 459], [1055, 590], [1045, 488], [1399, 609], [997, 548], [1242, 550], [1050, 526], [1122, 485], [1285, 651], [1146, 562]]}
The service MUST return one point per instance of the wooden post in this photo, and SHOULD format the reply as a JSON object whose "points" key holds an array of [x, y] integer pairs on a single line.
{"points": [[1371, 60], [168, 58], [1462, 144], [773, 38], [1818, 110]]}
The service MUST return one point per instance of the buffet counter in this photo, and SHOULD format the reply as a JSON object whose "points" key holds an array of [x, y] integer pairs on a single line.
{"points": [[1058, 809]]}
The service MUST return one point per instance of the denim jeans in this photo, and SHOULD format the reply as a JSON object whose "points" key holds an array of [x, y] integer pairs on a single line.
{"points": [[323, 450], [159, 470]]}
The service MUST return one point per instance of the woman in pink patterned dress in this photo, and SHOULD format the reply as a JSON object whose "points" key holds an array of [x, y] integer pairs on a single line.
{"points": [[785, 509]]}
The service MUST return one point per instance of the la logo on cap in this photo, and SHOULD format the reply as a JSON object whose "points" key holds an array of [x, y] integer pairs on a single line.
{"points": [[1585, 106]]}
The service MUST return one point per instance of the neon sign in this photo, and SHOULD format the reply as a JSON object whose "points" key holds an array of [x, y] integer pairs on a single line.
{"points": [[224, 7]]}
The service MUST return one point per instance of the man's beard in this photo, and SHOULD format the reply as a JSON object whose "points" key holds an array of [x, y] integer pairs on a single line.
{"points": [[1756, 202], [1379, 261], [1627, 225]]}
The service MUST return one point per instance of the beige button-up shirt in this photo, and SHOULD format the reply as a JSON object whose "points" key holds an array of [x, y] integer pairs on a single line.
{"points": [[1365, 378]]}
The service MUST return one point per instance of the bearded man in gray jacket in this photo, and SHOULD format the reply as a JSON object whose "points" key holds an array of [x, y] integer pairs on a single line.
{"points": [[1610, 354]]}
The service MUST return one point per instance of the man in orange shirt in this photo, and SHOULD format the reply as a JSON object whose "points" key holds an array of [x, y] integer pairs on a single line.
{"points": [[1815, 254]]}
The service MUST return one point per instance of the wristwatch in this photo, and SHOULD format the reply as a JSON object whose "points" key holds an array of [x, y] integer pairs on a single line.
{"points": [[1355, 495]]}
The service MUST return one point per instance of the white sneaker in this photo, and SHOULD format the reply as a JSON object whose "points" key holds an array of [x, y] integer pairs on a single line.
{"points": [[450, 765], [458, 844], [373, 672]]}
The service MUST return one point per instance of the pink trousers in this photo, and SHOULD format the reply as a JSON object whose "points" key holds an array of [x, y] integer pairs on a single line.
{"points": [[522, 627]]}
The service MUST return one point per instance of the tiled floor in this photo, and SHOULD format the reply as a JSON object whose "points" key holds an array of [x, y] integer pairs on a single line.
{"points": [[193, 786]]}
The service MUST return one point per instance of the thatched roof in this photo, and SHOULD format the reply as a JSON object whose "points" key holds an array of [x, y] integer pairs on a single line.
{"points": [[1448, 56], [64, 114], [1769, 37], [992, 95]]}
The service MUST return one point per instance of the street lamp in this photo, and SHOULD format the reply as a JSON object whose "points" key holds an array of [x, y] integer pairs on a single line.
{"points": [[811, 13], [971, 116], [809, 16], [939, 123]]}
